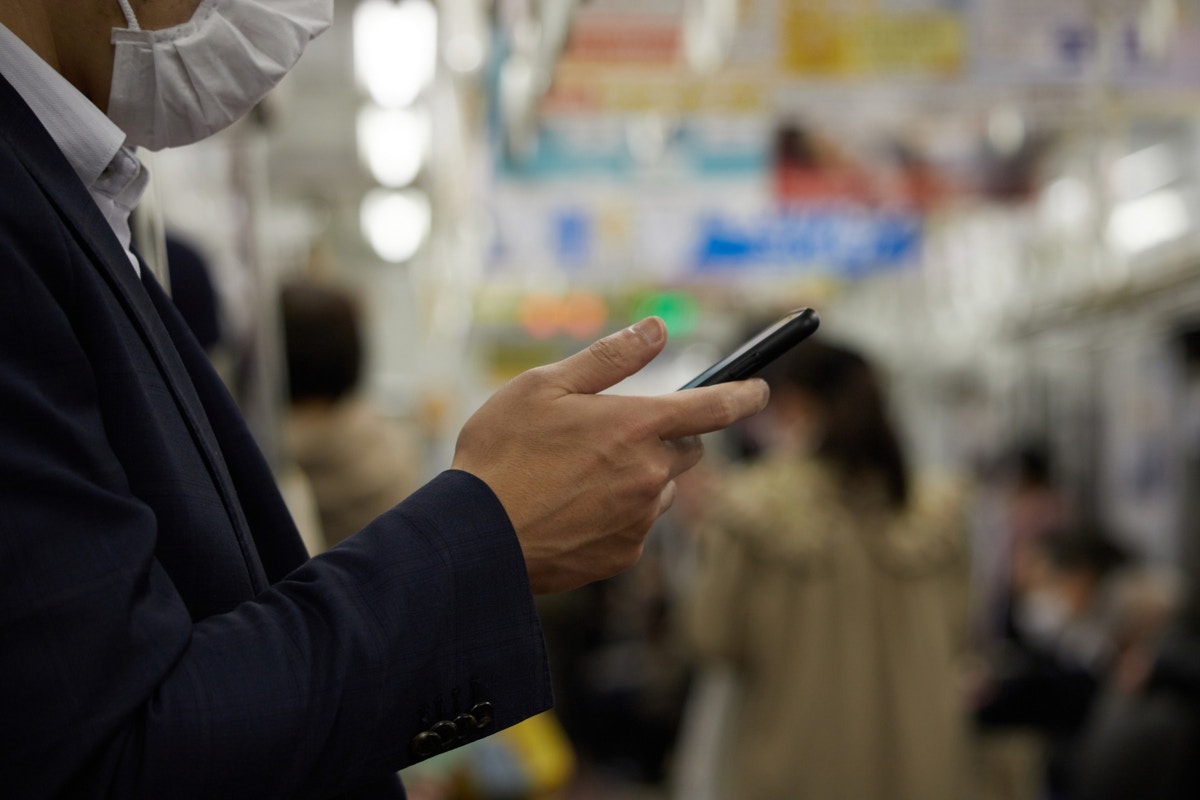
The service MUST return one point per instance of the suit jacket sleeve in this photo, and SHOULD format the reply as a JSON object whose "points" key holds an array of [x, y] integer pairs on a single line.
{"points": [[314, 686]]}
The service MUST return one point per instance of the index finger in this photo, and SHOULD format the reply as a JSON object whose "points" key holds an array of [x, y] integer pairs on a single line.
{"points": [[691, 412]]}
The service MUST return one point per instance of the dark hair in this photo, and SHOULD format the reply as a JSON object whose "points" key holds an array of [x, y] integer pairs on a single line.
{"points": [[1085, 548], [858, 439], [322, 340], [796, 147], [1031, 463]]}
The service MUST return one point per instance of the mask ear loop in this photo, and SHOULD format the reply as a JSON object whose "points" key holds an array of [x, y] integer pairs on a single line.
{"points": [[130, 19]]}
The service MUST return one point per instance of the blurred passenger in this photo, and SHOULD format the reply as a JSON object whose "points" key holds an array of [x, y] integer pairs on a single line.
{"points": [[1018, 504], [358, 462], [623, 678], [832, 585], [193, 291], [1035, 509], [198, 294], [1144, 738], [1065, 644]]}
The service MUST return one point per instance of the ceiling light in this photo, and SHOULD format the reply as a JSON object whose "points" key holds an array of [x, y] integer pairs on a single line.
{"points": [[393, 143], [395, 49], [396, 223]]}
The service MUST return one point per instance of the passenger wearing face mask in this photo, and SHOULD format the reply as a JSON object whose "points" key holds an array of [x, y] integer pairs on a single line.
{"points": [[1047, 678], [162, 634]]}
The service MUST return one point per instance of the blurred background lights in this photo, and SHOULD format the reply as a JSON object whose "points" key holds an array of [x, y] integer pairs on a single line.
{"points": [[708, 31], [584, 314], [1006, 129], [393, 143], [1067, 205], [395, 49], [1148, 221], [678, 310], [647, 136], [581, 314], [396, 223], [1143, 171], [540, 313], [466, 31], [464, 53]]}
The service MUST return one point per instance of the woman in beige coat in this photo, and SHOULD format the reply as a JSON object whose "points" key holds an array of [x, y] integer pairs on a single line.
{"points": [[836, 592], [358, 462]]}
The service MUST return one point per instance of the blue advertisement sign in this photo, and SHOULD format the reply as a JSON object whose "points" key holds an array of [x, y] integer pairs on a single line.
{"points": [[850, 243]]}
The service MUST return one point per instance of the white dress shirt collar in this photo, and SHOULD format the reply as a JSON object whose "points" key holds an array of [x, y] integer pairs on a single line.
{"points": [[91, 142]]}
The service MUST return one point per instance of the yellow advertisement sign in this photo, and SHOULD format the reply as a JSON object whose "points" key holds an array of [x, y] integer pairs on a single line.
{"points": [[821, 41]]}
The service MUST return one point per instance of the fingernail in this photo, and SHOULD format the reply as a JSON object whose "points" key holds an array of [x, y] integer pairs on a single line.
{"points": [[765, 390], [650, 329]]}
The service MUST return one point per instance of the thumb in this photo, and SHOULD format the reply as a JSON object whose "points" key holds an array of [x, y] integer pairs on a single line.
{"points": [[610, 360]]}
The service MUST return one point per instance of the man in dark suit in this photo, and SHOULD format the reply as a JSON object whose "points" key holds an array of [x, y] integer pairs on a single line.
{"points": [[162, 633]]}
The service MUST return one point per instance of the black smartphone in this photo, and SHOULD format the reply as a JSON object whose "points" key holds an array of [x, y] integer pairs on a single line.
{"points": [[775, 340]]}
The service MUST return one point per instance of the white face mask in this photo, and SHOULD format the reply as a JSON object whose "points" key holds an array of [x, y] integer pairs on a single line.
{"points": [[1043, 616], [179, 85]]}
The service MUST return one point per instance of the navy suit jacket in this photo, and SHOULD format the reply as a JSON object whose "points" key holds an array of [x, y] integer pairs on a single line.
{"points": [[162, 632]]}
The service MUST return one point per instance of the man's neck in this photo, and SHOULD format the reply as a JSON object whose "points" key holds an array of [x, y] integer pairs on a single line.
{"points": [[70, 36], [30, 21]]}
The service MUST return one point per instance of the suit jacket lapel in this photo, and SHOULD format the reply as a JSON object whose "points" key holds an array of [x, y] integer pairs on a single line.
{"points": [[49, 167]]}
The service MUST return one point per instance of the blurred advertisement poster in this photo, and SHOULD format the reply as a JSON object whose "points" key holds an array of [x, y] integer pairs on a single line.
{"points": [[725, 230], [603, 199], [608, 31], [872, 38], [1118, 41], [847, 242], [670, 88]]}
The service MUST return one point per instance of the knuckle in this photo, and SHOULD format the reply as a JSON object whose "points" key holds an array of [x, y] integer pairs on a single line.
{"points": [[644, 493], [722, 409], [529, 379], [529, 384], [606, 352], [631, 555], [658, 475], [642, 428]]}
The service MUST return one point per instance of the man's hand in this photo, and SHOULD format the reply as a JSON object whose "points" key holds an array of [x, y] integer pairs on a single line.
{"points": [[584, 475]]}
